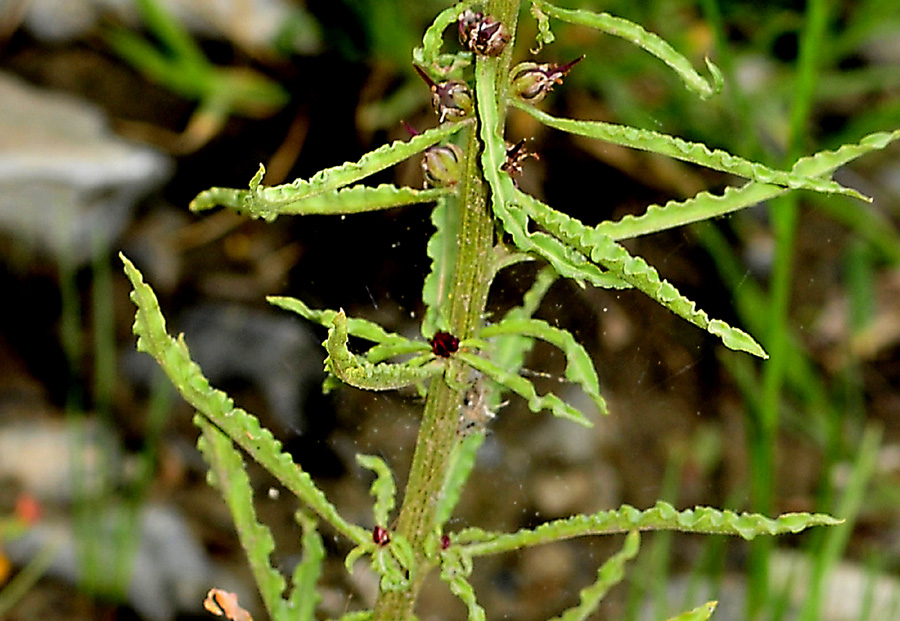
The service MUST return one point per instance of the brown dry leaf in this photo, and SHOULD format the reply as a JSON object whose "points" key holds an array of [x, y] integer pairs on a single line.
{"points": [[224, 603]]}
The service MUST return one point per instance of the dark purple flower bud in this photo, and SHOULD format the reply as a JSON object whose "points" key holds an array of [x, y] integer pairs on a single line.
{"points": [[443, 344], [532, 81], [445, 542], [441, 165], [452, 99], [381, 536], [482, 33]]}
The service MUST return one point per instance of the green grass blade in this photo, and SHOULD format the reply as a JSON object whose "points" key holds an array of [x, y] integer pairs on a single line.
{"points": [[636, 34], [579, 367], [662, 516], [242, 427], [228, 474], [701, 613], [694, 152], [269, 199], [610, 574]]}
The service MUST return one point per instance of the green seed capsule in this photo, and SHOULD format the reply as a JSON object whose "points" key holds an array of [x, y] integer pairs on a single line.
{"points": [[441, 165]]}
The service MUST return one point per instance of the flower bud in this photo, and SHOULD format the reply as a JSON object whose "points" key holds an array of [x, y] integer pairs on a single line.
{"points": [[532, 81], [441, 165], [482, 33], [515, 155]]}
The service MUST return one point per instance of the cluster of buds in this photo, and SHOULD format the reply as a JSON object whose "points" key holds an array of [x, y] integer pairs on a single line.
{"points": [[381, 536], [532, 81], [444, 344], [451, 99], [515, 155], [482, 33]]}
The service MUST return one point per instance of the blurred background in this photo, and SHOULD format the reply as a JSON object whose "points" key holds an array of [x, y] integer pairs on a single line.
{"points": [[114, 114]]}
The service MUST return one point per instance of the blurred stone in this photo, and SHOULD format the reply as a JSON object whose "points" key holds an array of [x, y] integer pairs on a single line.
{"points": [[68, 186], [42, 457], [170, 570]]}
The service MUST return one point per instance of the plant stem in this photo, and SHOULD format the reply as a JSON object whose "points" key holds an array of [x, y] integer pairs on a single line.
{"points": [[466, 300]]}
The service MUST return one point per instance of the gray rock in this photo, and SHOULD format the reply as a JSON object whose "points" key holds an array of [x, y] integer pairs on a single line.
{"points": [[68, 186]]}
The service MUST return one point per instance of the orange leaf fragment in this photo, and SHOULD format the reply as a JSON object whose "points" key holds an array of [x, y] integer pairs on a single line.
{"points": [[225, 604]]}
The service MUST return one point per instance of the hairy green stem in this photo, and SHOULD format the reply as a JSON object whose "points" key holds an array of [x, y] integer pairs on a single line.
{"points": [[466, 301]]}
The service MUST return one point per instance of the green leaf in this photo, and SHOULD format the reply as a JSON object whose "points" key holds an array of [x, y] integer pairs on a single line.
{"points": [[275, 199], [383, 488], [355, 199], [454, 571], [243, 428], [662, 516], [635, 271], [358, 372], [229, 475], [429, 55], [442, 249], [356, 327], [633, 33], [610, 574], [579, 367], [305, 595], [565, 260], [524, 388], [695, 152], [701, 613], [706, 205], [508, 350]]}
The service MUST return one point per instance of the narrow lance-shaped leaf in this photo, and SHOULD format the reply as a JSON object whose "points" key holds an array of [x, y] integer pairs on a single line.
{"points": [[524, 388], [579, 367], [383, 488], [662, 516], [243, 428], [442, 249], [356, 199], [707, 205], [635, 271], [454, 571], [566, 261], [229, 475], [269, 199], [637, 35], [357, 327], [695, 152], [508, 350], [305, 595], [610, 574], [358, 372]]}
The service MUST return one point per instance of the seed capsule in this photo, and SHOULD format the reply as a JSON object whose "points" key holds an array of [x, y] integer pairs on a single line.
{"points": [[441, 165], [451, 99], [532, 81], [482, 33], [515, 155]]}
